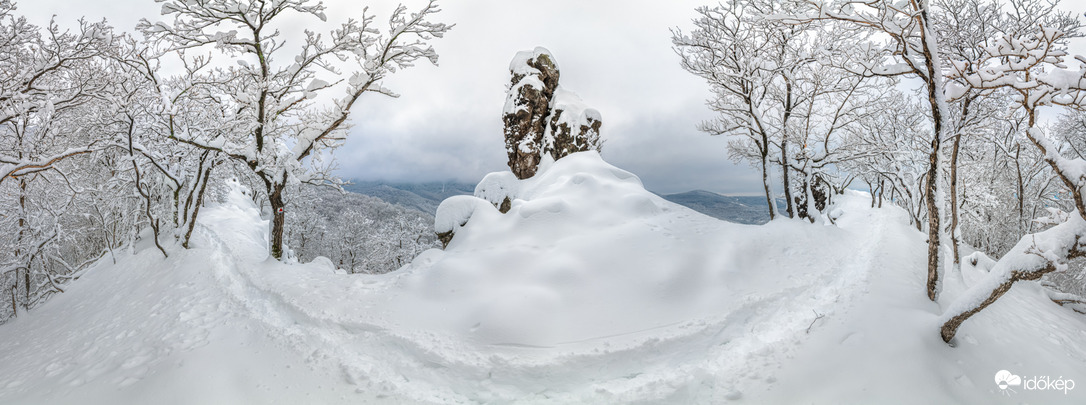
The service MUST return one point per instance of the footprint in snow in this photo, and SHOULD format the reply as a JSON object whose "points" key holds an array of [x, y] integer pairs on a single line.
{"points": [[853, 339]]}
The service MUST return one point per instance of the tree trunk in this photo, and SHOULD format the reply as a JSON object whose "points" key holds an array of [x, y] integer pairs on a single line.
{"points": [[950, 327], [22, 216], [784, 148], [275, 197], [196, 209], [809, 198], [26, 284], [882, 191], [151, 220], [1021, 189], [784, 176], [874, 191], [933, 217], [768, 194], [19, 244], [954, 191], [935, 98]]}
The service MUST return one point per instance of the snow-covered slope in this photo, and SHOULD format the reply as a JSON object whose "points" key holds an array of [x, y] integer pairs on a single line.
{"points": [[589, 290]]}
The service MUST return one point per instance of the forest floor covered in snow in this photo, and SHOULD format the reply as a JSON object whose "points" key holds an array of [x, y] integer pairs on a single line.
{"points": [[589, 290]]}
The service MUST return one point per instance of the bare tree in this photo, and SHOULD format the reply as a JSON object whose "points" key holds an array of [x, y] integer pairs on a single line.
{"points": [[1029, 62], [280, 132], [912, 50], [751, 63], [50, 81]]}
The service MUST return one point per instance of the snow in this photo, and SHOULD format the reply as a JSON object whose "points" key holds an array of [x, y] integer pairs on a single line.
{"points": [[574, 111], [511, 106], [455, 211], [519, 64], [589, 290], [496, 187]]}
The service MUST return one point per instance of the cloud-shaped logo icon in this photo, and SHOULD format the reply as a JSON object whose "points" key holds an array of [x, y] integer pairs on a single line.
{"points": [[1005, 380]]}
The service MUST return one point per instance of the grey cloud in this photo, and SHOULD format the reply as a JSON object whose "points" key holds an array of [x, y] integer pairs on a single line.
{"points": [[615, 54]]}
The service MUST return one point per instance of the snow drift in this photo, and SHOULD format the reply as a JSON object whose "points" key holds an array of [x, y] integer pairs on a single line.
{"points": [[588, 290]]}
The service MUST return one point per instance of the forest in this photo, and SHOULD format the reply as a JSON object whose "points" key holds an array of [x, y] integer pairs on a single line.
{"points": [[109, 137], [175, 224], [968, 114]]}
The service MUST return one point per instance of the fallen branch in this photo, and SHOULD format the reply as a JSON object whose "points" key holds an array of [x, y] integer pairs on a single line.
{"points": [[817, 317]]}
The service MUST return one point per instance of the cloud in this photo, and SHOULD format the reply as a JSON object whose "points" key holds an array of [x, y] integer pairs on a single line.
{"points": [[616, 55], [447, 125]]}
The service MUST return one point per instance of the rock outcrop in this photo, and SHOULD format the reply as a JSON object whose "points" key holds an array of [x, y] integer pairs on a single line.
{"points": [[542, 119]]}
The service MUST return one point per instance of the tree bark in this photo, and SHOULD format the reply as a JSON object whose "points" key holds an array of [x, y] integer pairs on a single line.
{"points": [[196, 209], [14, 302], [950, 327], [26, 284], [1021, 188], [765, 184], [954, 187], [275, 197], [784, 176], [933, 218], [19, 244], [935, 95], [784, 148]]}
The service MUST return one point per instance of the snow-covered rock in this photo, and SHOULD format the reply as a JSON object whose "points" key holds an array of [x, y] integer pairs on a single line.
{"points": [[542, 119]]}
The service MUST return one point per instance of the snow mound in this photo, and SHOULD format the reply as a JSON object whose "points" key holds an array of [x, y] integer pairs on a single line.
{"points": [[588, 290], [497, 186], [586, 254], [455, 212]]}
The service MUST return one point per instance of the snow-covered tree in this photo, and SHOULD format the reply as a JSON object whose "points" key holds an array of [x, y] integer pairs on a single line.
{"points": [[750, 63], [906, 45], [270, 94], [783, 91], [1029, 63], [360, 234], [50, 81], [893, 147]]}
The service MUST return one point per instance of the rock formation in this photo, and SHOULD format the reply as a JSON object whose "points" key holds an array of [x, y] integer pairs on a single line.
{"points": [[542, 119]]}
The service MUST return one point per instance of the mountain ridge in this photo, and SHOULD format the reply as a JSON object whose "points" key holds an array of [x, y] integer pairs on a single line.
{"points": [[427, 196]]}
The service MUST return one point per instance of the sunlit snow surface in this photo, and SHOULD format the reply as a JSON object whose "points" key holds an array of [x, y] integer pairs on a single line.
{"points": [[589, 290]]}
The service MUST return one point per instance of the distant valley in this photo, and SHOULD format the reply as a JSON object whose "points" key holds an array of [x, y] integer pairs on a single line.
{"points": [[426, 197]]}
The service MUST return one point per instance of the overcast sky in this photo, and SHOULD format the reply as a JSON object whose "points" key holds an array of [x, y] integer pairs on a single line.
{"points": [[447, 125]]}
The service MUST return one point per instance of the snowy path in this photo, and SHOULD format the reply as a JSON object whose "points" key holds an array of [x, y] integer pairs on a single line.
{"points": [[591, 290], [710, 358]]}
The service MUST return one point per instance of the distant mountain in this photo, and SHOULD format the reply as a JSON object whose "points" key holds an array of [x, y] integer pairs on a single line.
{"points": [[742, 210], [424, 197]]}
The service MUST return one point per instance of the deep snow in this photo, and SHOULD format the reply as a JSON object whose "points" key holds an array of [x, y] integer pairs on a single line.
{"points": [[589, 290]]}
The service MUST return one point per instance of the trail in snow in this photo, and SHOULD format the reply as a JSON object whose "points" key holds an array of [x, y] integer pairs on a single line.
{"points": [[590, 290], [708, 357]]}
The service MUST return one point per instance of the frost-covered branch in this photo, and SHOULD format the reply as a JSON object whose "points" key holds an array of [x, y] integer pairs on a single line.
{"points": [[276, 113], [1034, 256]]}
